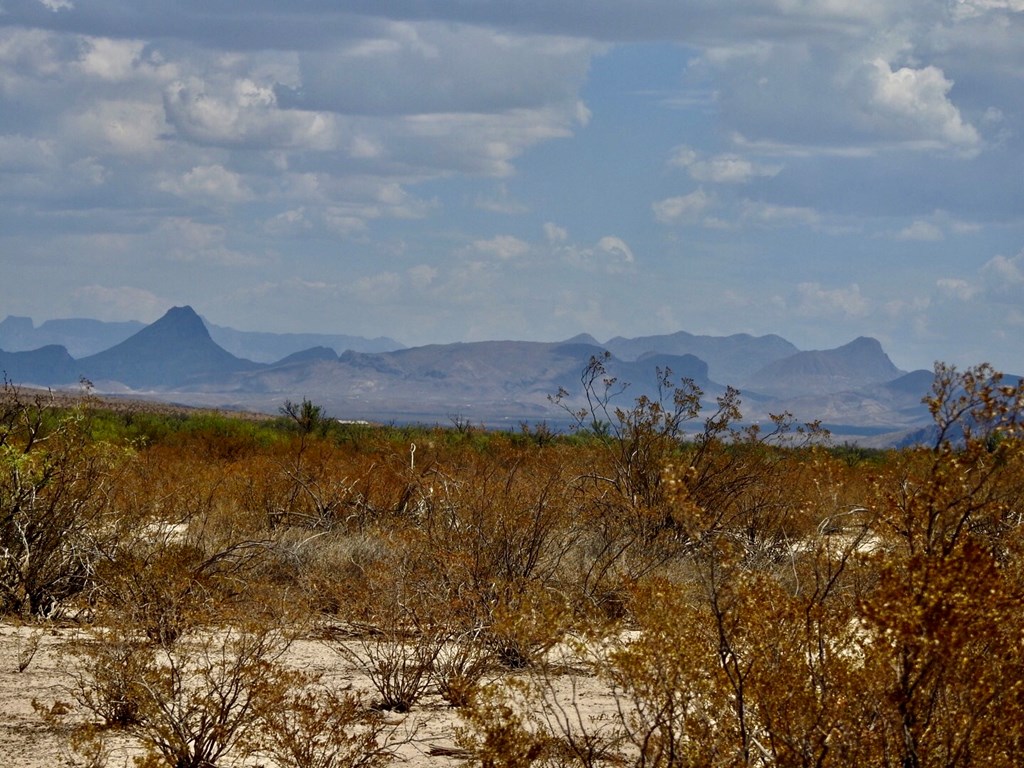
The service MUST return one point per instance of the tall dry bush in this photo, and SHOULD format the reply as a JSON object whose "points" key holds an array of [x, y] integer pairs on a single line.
{"points": [[946, 608], [55, 511], [493, 542]]}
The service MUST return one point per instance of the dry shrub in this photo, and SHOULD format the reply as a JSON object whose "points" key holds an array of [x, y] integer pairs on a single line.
{"points": [[461, 666], [498, 731], [216, 696], [537, 720], [191, 704], [83, 745], [313, 726], [489, 547], [397, 650], [525, 623], [333, 569], [887, 633], [171, 583], [55, 511], [105, 671], [673, 703]]}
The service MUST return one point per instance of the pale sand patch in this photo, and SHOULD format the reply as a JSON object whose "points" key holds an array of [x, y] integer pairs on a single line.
{"points": [[27, 741]]}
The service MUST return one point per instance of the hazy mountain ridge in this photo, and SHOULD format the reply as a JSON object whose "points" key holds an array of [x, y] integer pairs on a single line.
{"points": [[80, 336], [263, 347], [84, 337], [861, 362], [461, 374], [47, 366], [855, 386], [731, 359]]}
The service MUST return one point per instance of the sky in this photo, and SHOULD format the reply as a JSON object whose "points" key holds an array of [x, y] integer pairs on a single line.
{"points": [[465, 170]]}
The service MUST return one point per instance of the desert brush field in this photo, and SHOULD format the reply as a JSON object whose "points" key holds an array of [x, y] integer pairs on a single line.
{"points": [[663, 586]]}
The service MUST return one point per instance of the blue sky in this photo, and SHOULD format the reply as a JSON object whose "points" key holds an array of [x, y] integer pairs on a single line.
{"points": [[458, 171]]}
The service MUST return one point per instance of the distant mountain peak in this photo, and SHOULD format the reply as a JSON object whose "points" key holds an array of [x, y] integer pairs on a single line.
{"points": [[730, 359], [855, 364], [183, 320], [175, 349], [583, 338], [41, 367], [866, 343], [17, 323]]}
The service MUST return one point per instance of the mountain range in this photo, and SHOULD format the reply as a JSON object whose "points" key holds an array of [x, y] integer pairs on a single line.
{"points": [[854, 389], [83, 337]]}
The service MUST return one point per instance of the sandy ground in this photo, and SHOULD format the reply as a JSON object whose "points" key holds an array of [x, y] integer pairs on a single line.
{"points": [[27, 741]]}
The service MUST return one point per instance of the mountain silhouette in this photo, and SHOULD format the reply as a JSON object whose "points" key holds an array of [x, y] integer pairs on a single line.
{"points": [[173, 351], [855, 388], [273, 347], [51, 365], [730, 359], [860, 363], [80, 336]]}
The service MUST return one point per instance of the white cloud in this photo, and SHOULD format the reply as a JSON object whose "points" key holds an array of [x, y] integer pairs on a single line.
{"points": [[89, 171], [720, 169], [729, 169], [22, 153], [955, 288], [993, 116], [965, 9], [122, 127], [380, 286], [554, 233], [504, 247], [813, 300], [107, 59], [26, 56], [959, 227], [198, 244], [683, 156], [245, 113], [406, 68], [616, 248], [1003, 278], [293, 221], [422, 275], [780, 215], [1005, 269], [500, 202], [57, 5], [803, 149], [344, 221], [365, 148], [476, 144], [345, 206], [921, 230], [220, 256], [583, 114], [192, 235], [917, 101], [610, 255], [682, 208], [209, 182]]}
